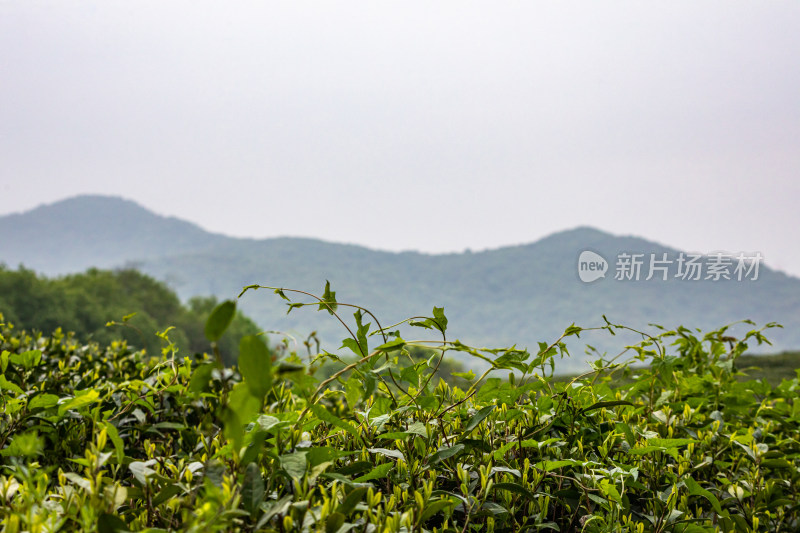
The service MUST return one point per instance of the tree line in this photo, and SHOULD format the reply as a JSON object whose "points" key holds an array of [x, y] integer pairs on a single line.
{"points": [[114, 305]]}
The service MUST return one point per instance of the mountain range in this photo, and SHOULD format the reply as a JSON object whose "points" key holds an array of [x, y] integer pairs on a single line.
{"points": [[512, 295]]}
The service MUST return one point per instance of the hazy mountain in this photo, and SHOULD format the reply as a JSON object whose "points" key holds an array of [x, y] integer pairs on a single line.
{"points": [[101, 231], [513, 295]]}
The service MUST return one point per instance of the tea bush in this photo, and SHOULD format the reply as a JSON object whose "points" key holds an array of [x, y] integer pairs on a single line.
{"points": [[106, 438]]}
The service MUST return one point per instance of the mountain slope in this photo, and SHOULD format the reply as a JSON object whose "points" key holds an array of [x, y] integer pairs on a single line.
{"points": [[100, 231], [513, 295]]}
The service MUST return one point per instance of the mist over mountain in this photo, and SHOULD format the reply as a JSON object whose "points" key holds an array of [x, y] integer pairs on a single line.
{"points": [[512, 295]]}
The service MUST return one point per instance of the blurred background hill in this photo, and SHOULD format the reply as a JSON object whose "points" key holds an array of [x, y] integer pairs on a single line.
{"points": [[513, 295]]}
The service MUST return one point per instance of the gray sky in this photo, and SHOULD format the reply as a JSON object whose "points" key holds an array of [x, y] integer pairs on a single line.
{"points": [[434, 126]]}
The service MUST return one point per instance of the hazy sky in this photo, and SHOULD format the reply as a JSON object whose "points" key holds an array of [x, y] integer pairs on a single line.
{"points": [[434, 126]]}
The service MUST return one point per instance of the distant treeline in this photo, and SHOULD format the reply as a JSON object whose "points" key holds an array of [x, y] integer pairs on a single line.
{"points": [[85, 303]]}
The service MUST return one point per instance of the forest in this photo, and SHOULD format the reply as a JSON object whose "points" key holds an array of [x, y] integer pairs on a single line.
{"points": [[113, 305]]}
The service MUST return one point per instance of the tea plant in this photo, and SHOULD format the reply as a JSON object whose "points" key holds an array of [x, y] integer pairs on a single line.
{"points": [[107, 438]]}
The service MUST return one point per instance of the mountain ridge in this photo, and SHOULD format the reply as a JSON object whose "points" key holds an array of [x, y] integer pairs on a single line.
{"points": [[67, 209], [518, 294]]}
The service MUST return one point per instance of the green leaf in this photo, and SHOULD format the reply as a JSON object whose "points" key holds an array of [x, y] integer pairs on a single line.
{"points": [[328, 302], [369, 388], [353, 388], [81, 399], [214, 472], [394, 454], [670, 443], [512, 471], [417, 428], [325, 415], [253, 444], [168, 425], [286, 367], [255, 365], [268, 423], [776, 463], [549, 466], [350, 501], [440, 319], [7, 385], [696, 490], [219, 320], [245, 405], [381, 471], [626, 430], [436, 506], [438, 322], [644, 450], [273, 508], [392, 345], [741, 523], [477, 418], [359, 345], [42, 401], [340, 478], [361, 332], [514, 358], [516, 488], [600, 405], [445, 453], [113, 434], [500, 452], [167, 493], [26, 360], [410, 374], [324, 454], [252, 489], [26, 444], [355, 468], [294, 464], [334, 522], [109, 523], [242, 409], [379, 421], [294, 305], [494, 508], [201, 377], [141, 472], [81, 482], [353, 346], [395, 435]]}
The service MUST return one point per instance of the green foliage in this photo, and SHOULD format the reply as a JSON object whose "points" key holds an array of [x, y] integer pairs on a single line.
{"points": [[422, 361], [107, 438], [107, 306], [219, 320]]}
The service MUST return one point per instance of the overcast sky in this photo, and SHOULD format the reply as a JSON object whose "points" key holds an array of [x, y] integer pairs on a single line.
{"points": [[432, 126]]}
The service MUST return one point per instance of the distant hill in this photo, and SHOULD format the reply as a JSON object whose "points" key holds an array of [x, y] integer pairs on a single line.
{"points": [[101, 231], [512, 295]]}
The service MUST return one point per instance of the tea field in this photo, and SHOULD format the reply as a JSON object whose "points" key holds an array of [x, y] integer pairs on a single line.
{"points": [[109, 438]]}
